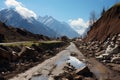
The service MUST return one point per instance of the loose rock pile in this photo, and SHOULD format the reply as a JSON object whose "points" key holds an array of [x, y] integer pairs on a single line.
{"points": [[107, 51], [16, 59], [70, 73]]}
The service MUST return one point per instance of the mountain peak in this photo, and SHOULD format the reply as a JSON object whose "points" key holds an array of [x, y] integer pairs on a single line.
{"points": [[61, 28], [14, 11], [46, 19], [50, 17], [13, 18], [10, 12]]}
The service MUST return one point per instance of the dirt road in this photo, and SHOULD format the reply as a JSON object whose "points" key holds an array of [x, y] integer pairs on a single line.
{"points": [[100, 71], [54, 66]]}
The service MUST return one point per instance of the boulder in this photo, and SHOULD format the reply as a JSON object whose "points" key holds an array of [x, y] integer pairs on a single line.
{"points": [[2, 78], [115, 59], [99, 53], [2, 38], [113, 49], [104, 57], [78, 77], [84, 71], [5, 54], [22, 51]]}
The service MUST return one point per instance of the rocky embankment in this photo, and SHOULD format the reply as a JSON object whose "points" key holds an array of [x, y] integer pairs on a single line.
{"points": [[16, 59], [101, 45], [107, 52]]}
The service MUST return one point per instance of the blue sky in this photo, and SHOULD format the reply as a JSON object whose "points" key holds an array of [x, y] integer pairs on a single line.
{"points": [[75, 12], [64, 10]]}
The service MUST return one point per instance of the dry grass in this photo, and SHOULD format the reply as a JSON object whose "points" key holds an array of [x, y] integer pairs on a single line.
{"points": [[29, 43]]}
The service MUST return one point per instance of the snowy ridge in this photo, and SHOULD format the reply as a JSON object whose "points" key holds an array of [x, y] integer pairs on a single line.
{"points": [[61, 28], [13, 18]]}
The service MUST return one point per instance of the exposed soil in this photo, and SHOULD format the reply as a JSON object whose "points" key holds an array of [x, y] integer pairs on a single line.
{"points": [[106, 26], [102, 44]]}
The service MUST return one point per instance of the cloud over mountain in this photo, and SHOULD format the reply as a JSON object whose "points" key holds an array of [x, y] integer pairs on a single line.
{"points": [[79, 25], [19, 7]]}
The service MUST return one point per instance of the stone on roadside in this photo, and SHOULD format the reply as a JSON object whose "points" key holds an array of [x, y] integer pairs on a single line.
{"points": [[78, 77], [84, 71], [116, 59], [2, 78], [99, 53], [113, 49]]}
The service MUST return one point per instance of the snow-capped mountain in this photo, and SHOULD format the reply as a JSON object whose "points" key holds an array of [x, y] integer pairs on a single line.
{"points": [[13, 18], [60, 27]]}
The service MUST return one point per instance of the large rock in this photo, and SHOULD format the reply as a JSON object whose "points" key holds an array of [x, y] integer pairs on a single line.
{"points": [[2, 78], [99, 53], [2, 38], [116, 58], [113, 49], [5, 54], [84, 71]]}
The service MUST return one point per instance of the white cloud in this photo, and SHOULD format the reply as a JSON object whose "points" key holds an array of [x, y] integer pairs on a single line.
{"points": [[79, 25], [12, 3], [26, 13]]}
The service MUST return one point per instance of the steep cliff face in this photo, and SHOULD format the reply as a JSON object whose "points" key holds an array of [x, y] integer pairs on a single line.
{"points": [[107, 26]]}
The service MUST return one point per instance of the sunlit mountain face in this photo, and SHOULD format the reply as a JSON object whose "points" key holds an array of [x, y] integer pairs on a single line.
{"points": [[43, 25], [61, 28], [13, 18]]}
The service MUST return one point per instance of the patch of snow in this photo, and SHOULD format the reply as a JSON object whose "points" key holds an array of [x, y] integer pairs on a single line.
{"points": [[19, 7], [13, 52], [76, 63], [72, 60]]}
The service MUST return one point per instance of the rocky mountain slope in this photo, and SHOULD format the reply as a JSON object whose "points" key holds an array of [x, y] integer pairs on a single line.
{"points": [[107, 53], [103, 44], [11, 34], [12, 18], [47, 26], [107, 26], [61, 28]]}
